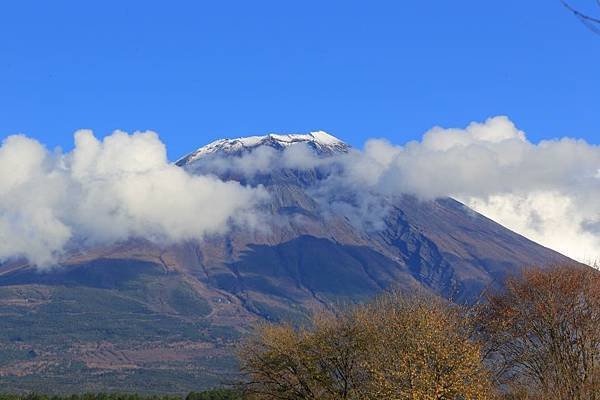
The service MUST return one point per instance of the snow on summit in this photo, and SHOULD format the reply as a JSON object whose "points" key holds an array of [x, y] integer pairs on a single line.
{"points": [[322, 142]]}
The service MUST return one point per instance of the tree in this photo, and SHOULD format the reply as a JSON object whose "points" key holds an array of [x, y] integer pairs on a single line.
{"points": [[214, 394], [323, 362], [422, 348], [543, 334], [393, 348]]}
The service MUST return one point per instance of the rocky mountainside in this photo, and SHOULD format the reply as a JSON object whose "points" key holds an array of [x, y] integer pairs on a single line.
{"points": [[154, 317]]}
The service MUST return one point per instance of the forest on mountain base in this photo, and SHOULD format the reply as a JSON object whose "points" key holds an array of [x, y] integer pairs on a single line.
{"points": [[538, 337]]}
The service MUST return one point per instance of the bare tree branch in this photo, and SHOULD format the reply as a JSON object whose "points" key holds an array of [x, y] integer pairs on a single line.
{"points": [[590, 22]]}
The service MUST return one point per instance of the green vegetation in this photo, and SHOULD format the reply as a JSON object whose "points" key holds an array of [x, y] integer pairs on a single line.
{"points": [[106, 326], [214, 394]]}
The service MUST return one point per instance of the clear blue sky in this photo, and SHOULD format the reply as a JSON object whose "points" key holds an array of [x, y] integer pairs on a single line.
{"points": [[198, 70]]}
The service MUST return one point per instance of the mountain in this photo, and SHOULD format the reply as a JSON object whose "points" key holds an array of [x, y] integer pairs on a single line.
{"points": [[163, 318], [320, 142]]}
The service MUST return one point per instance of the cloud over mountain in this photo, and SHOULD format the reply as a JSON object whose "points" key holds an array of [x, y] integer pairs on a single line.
{"points": [[123, 186], [547, 191], [106, 191]]}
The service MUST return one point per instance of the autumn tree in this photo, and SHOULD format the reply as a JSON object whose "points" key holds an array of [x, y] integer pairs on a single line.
{"points": [[393, 348], [543, 334], [421, 348], [322, 362]]}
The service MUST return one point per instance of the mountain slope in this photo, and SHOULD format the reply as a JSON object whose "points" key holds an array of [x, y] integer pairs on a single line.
{"points": [[156, 317]]}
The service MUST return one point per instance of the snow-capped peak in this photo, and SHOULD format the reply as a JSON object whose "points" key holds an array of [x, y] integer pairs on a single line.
{"points": [[322, 142]]}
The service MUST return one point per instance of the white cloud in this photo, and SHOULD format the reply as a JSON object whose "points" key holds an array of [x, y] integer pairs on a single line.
{"points": [[547, 191], [549, 218], [106, 191], [32, 192]]}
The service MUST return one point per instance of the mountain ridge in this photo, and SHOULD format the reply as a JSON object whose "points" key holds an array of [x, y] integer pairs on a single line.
{"points": [[319, 141]]}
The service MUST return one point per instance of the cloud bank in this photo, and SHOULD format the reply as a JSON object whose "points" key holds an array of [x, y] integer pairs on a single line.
{"points": [[123, 187], [548, 192], [107, 191]]}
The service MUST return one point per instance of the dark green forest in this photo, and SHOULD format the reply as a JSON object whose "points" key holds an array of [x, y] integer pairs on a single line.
{"points": [[214, 394]]}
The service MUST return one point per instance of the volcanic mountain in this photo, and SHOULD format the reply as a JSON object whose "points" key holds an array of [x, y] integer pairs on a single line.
{"points": [[157, 317]]}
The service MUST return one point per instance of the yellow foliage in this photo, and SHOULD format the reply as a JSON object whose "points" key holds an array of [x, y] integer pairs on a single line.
{"points": [[393, 348]]}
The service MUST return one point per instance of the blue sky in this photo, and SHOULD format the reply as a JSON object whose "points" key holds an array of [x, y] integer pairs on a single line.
{"points": [[195, 71]]}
